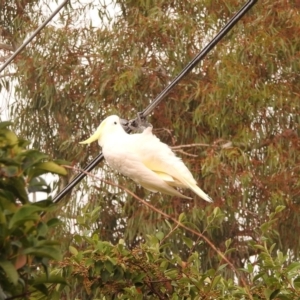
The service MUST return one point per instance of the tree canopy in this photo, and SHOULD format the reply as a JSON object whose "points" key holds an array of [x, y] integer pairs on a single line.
{"points": [[234, 120]]}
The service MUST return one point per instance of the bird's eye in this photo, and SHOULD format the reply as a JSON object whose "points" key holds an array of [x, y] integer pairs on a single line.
{"points": [[115, 123]]}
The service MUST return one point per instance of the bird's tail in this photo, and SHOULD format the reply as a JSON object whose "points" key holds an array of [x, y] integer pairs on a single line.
{"points": [[164, 188], [199, 192]]}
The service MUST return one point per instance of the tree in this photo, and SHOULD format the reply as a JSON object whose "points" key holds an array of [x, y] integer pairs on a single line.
{"points": [[241, 103]]}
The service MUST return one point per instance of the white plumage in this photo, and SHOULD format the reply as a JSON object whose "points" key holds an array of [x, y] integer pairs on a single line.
{"points": [[144, 158]]}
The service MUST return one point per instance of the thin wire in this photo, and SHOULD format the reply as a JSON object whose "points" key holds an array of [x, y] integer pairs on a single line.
{"points": [[20, 49], [163, 94]]}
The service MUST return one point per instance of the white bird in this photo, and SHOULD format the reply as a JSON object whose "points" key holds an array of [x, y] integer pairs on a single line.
{"points": [[144, 158]]}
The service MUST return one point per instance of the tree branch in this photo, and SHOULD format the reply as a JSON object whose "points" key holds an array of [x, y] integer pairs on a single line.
{"points": [[185, 153], [189, 146]]}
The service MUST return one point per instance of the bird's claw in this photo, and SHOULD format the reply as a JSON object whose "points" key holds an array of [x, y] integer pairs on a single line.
{"points": [[139, 124]]}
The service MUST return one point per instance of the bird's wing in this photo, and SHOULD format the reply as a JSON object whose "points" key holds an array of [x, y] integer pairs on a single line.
{"points": [[169, 179], [124, 158], [159, 158]]}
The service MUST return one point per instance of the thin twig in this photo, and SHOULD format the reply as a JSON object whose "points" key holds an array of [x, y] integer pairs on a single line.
{"points": [[189, 146], [185, 153], [172, 230]]}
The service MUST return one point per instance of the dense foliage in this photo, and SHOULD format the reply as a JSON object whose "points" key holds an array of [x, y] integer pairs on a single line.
{"points": [[234, 120], [25, 243]]}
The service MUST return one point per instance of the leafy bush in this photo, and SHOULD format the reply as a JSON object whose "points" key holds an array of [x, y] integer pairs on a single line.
{"points": [[25, 243], [97, 269]]}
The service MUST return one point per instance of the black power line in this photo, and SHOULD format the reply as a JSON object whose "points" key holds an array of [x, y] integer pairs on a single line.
{"points": [[163, 94], [22, 47]]}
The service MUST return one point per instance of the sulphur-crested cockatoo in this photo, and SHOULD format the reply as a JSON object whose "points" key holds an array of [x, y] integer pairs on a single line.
{"points": [[144, 158]]}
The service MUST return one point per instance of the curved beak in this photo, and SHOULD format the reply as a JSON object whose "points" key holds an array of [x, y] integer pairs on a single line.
{"points": [[94, 137]]}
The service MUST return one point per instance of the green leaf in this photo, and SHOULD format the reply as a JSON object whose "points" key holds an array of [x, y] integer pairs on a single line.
{"points": [[44, 251], [216, 280], [296, 282], [42, 288], [139, 278], [279, 208], [62, 162], [51, 167], [25, 213], [73, 250], [217, 211], [52, 278], [267, 292], [95, 212], [260, 247], [32, 157], [109, 266], [5, 124], [188, 241], [227, 243], [16, 185], [10, 270], [9, 161], [160, 235], [293, 266], [221, 267], [6, 202], [274, 294], [257, 276], [266, 226], [11, 138], [47, 242], [54, 222], [172, 273], [45, 204], [3, 220], [182, 217], [112, 260], [42, 229], [169, 225], [250, 268]]}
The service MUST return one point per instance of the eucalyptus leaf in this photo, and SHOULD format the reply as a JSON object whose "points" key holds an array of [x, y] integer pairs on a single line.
{"points": [[9, 270]]}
